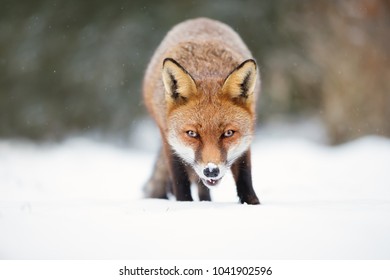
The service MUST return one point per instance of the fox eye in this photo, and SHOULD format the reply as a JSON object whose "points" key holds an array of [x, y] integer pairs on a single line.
{"points": [[228, 133], [192, 134]]}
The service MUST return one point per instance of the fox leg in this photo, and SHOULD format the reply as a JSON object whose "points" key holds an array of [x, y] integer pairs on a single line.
{"points": [[203, 191], [159, 183], [181, 184], [242, 174]]}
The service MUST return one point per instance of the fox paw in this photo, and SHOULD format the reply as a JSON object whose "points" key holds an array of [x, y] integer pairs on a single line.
{"points": [[250, 199]]}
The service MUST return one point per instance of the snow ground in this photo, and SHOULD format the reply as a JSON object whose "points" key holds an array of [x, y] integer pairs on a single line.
{"points": [[83, 200]]}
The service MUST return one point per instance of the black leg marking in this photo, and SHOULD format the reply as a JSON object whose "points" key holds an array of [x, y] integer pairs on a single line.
{"points": [[203, 191], [241, 170], [180, 180]]}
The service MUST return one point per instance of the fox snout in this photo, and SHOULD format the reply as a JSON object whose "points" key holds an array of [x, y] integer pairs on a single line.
{"points": [[211, 171], [210, 174]]}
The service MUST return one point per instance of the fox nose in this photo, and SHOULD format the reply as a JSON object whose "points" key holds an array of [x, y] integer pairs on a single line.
{"points": [[211, 172]]}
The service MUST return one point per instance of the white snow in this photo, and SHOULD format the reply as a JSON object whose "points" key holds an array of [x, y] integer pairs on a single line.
{"points": [[83, 200]]}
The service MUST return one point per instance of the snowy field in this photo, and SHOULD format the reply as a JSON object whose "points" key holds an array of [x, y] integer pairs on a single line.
{"points": [[83, 200]]}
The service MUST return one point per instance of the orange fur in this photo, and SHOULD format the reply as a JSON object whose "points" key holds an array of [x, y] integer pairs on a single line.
{"points": [[200, 87]]}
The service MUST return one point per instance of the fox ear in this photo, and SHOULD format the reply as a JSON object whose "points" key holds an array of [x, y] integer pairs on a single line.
{"points": [[178, 83], [240, 83]]}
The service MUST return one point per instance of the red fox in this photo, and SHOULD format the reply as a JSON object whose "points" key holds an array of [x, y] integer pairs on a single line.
{"points": [[200, 87]]}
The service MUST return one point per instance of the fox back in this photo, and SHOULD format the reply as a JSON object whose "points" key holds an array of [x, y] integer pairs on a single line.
{"points": [[201, 87]]}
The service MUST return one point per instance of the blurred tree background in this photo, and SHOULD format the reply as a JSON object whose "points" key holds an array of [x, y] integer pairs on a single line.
{"points": [[71, 67]]}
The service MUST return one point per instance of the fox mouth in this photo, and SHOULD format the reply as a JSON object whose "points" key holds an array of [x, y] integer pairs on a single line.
{"points": [[211, 182]]}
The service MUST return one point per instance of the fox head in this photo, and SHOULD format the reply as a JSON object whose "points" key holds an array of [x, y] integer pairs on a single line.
{"points": [[210, 121]]}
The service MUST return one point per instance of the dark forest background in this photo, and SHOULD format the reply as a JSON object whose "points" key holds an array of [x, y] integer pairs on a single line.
{"points": [[75, 67]]}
